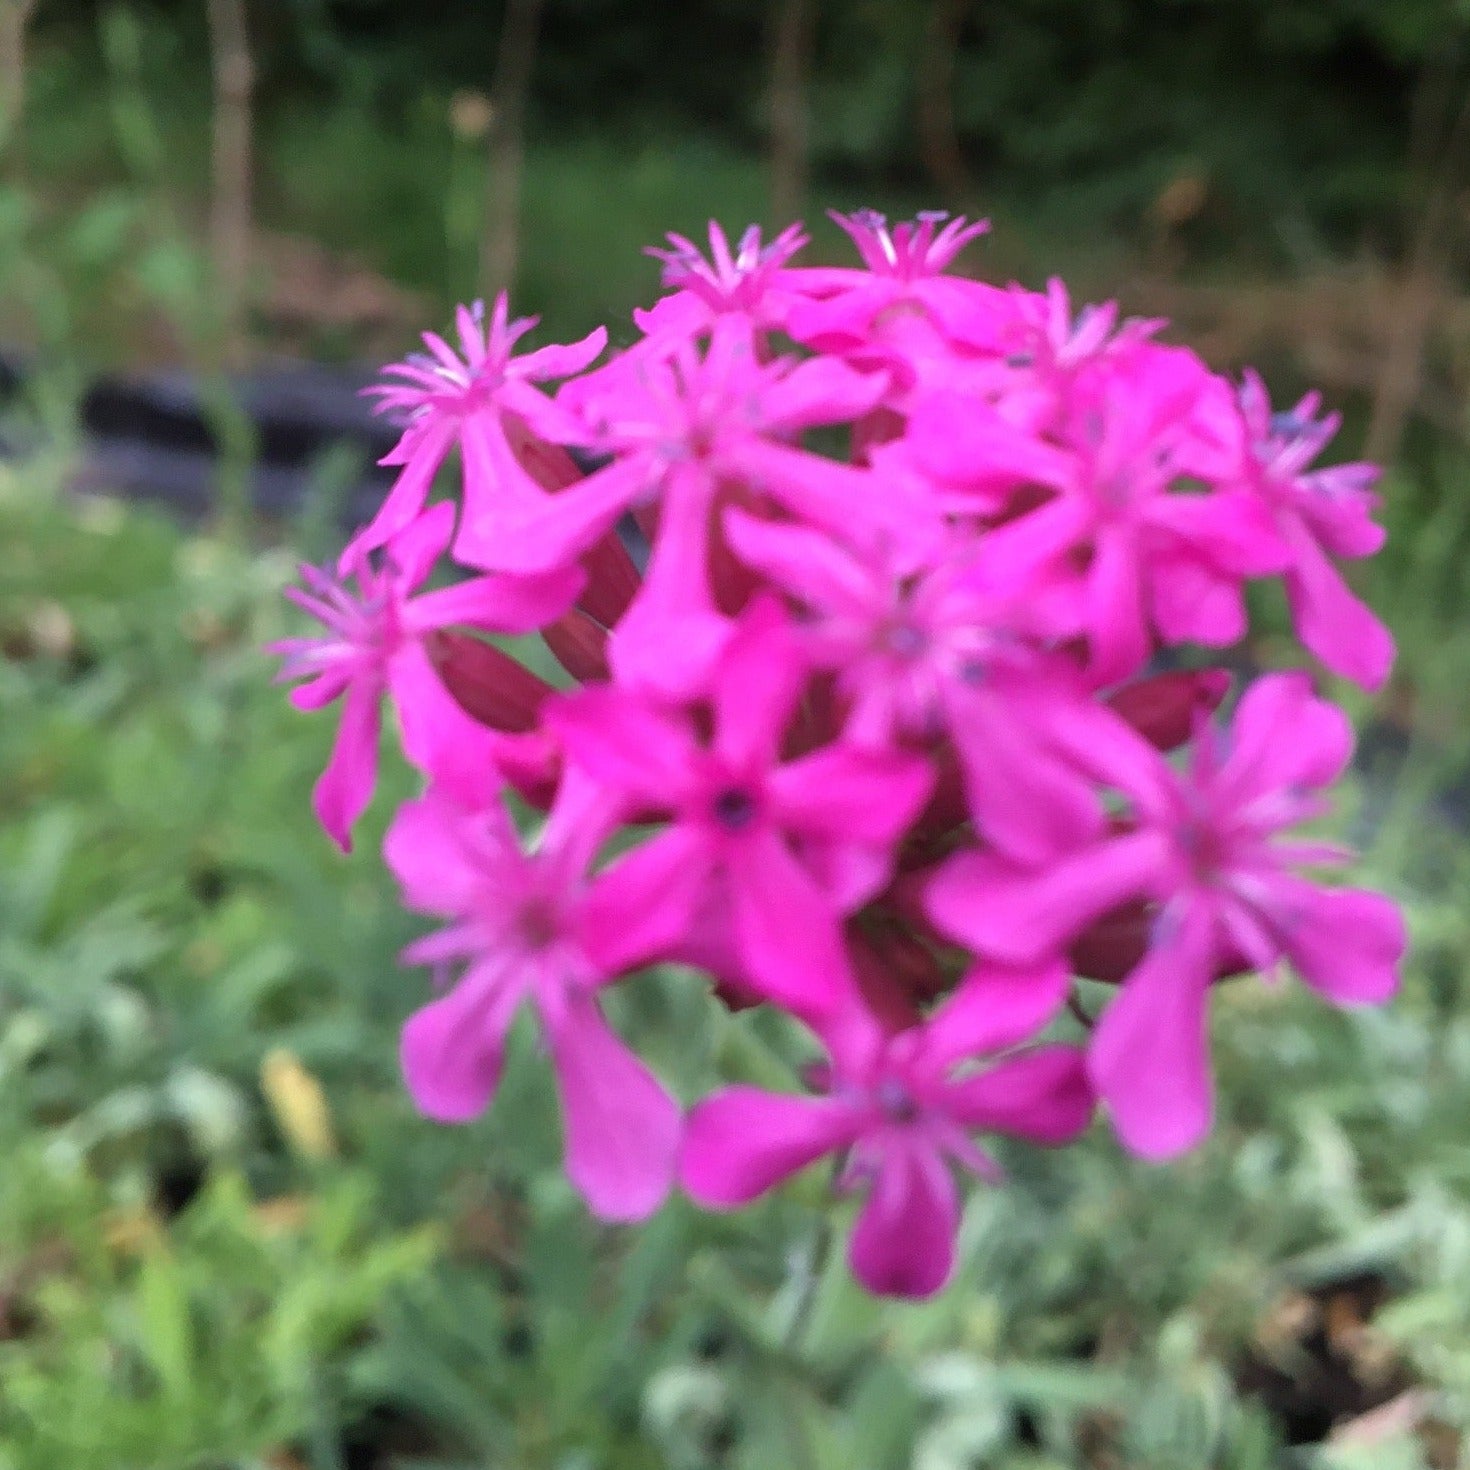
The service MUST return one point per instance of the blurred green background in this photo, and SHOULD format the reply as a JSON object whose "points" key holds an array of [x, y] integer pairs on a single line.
{"points": [[226, 1241]]}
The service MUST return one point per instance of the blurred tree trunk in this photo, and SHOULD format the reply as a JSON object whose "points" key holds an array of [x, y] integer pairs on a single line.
{"points": [[231, 164], [509, 89], [15, 15], [939, 145], [791, 25], [1441, 165]]}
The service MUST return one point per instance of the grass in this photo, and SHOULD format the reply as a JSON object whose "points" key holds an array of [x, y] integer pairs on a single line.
{"points": [[226, 1240]]}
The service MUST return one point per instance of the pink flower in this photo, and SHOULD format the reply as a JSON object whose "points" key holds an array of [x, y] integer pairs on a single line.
{"points": [[1151, 554], [519, 924], [1209, 849], [684, 432], [919, 654], [784, 847], [901, 1110], [753, 281], [1322, 513], [375, 646], [463, 397], [904, 277]]}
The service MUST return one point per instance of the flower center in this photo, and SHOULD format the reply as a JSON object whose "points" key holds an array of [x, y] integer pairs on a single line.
{"points": [[734, 808], [539, 923], [896, 1102], [904, 640]]}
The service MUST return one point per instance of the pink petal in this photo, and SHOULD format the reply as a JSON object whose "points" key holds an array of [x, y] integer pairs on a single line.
{"points": [[1193, 602], [330, 684], [345, 787], [560, 360], [406, 499], [672, 634], [502, 604], [1022, 917], [966, 441], [442, 855], [1346, 943], [438, 737], [413, 551], [844, 499], [841, 791], [1233, 531], [1015, 552], [757, 685], [903, 1244], [995, 1009], [741, 1142], [1044, 1097], [531, 531], [1102, 743], [451, 1049], [1115, 612], [1283, 736], [786, 929], [1029, 805], [823, 391], [622, 1127], [624, 742], [809, 564], [1334, 624], [644, 905], [1149, 1057]]}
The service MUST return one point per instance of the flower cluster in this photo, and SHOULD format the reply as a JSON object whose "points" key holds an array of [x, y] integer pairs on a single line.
{"points": [[862, 578]]}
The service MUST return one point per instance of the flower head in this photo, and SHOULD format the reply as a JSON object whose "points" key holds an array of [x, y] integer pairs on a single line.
{"points": [[1211, 850], [752, 280], [444, 397], [901, 1110], [519, 931], [1323, 512], [374, 645]]}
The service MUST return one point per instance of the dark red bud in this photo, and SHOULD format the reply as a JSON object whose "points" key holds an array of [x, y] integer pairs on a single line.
{"points": [[1163, 708], [915, 969], [486, 682], [817, 720], [881, 989], [1118, 941], [531, 764], [735, 995], [612, 580], [579, 646], [880, 426], [1114, 944], [947, 810], [548, 464]]}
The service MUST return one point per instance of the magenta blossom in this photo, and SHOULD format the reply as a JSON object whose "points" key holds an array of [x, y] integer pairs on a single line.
{"points": [[519, 926], [787, 846], [753, 281], [919, 654], [854, 311], [1322, 513], [685, 432], [901, 1110], [1137, 539], [375, 646], [464, 396], [882, 696], [1210, 851]]}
